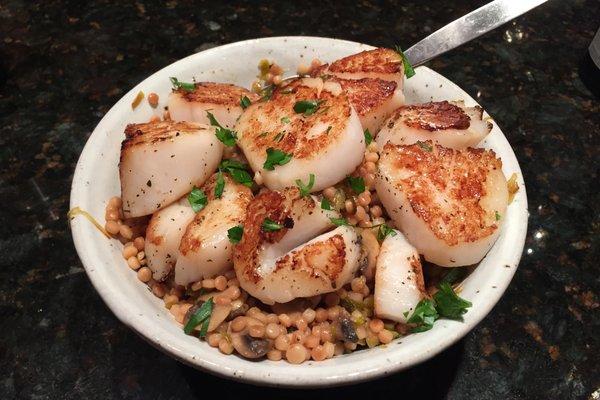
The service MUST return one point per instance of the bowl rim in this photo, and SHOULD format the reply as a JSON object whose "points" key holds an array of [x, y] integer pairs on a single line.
{"points": [[355, 372]]}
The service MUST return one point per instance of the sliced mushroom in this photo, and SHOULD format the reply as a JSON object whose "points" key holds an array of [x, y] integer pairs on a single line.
{"points": [[219, 314], [250, 347], [347, 328]]}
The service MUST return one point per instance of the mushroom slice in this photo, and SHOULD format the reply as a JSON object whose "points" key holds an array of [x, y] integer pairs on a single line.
{"points": [[399, 283], [449, 203], [163, 234], [279, 266], [205, 250], [161, 161], [250, 347], [221, 99], [325, 140], [450, 124]]}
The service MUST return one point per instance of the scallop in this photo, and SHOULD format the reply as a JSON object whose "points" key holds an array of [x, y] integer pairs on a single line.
{"points": [[299, 260], [373, 82], [205, 250], [221, 99], [450, 124], [163, 235], [449, 203], [399, 282], [325, 140], [161, 161]]}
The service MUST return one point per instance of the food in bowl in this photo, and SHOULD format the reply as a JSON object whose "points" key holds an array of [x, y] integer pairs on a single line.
{"points": [[283, 228]]}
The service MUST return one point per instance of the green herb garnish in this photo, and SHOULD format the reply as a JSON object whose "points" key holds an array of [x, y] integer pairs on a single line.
{"points": [[269, 225], [425, 146], [368, 137], [424, 316], [408, 69], [356, 183], [448, 304], [276, 157], [325, 204], [384, 231], [498, 216], [305, 189], [200, 317], [188, 87], [453, 275], [235, 234], [227, 136], [238, 171], [285, 120], [245, 102], [339, 221], [197, 199], [220, 185], [307, 107]]}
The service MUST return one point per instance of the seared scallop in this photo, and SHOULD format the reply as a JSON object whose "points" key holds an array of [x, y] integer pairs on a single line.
{"points": [[373, 82], [221, 99], [163, 235], [450, 124], [307, 127], [205, 250], [294, 258], [162, 161], [449, 203], [399, 282]]}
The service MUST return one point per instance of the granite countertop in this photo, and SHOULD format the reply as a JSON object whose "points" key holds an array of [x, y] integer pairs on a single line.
{"points": [[63, 65]]}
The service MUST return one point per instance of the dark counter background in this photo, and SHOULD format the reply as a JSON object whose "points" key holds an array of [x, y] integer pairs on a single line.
{"points": [[64, 64]]}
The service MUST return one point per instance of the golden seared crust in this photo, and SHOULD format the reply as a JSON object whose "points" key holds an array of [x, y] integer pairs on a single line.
{"points": [[385, 61], [261, 125], [417, 269], [275, 205], [444, 187], [217, 93], [367, 93], [152, 132], [210, 217], [151, 236], [432, 116], [334, 248]]}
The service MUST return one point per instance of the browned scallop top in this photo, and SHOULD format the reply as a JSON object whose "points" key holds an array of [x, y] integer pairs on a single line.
{"points": [[444, 187], [152, 132], [217, 93], [432, 116], [274, 123], [367, 94], [384, 61], [229, 214], [333, 250], [276, 206]]}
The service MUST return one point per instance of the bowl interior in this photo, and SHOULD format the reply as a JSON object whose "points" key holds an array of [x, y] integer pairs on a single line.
{"points": [[96, 180]]}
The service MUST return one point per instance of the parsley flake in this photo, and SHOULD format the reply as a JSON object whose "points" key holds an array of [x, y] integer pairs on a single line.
{"points": [[197, 199], [339, 221], [269, 225], [449, 305], [245, 102], [285, 120], [187, 86], [200, 317], [408, 69], [305, 189], [356, 183], [425, 146], [325, 204], [385, 231], [238, 171], [307, 107], [368, 137], [235, 234], [276, 157], [220, 185], [497, 215], [227, 136]]}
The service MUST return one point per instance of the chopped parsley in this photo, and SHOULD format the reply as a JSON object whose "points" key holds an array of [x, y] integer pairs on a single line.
{"points": [[227, 136], [368, 137], [238, 171], [220, 185], [497, 215], [307, 107], [200, 317], [235, 234], [445, 304], [454, 275], [425, 146], [384, 231], [408, 69], [339, 221], [197, 199], [188, 87], [285, 120], [356, 183], [269, 225], [325, 204], [276, 157], [305, 189], [245, 102]]}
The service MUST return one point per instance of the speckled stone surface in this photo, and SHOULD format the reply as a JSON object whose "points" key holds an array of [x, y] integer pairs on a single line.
{"points": [[63, 65]]}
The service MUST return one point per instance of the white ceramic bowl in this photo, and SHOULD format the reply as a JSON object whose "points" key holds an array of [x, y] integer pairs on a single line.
{"points": [[96, 180]]}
